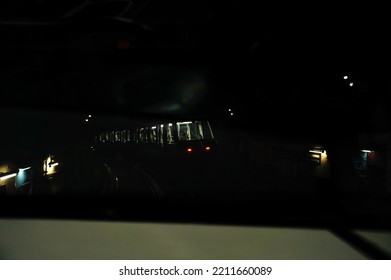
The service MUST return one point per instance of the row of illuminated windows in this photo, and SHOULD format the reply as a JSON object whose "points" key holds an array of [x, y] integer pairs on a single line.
{"points": [[160, 134], [123, 136], [172, 132], [156, 134]]}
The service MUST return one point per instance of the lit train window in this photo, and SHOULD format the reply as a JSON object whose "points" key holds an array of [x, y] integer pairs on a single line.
{"points": [[160, 128], [199, 129], [141, 135], [208, 133], [128, 136], [147, 135], [183, 131], [194, 130], [117, 136], [153, 134], [112, 138], [123, 136], [170, 138]]}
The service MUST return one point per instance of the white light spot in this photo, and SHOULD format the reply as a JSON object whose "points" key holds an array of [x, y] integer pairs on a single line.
{"points": [[86, 120], [351, 84], [89, 116], [229, 110], [345, 77], [232, 114], [23, 169], [315, 151], [3, 178]]}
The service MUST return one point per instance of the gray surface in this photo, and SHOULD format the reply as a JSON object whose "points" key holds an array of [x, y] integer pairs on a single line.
{"points": [[52, 239], [381, 239]]}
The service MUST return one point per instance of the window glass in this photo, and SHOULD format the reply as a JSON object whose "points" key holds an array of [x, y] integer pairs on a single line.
{"points": [[194, 130], [117, 136], [170, 137], [141, 135], [153, 134]]}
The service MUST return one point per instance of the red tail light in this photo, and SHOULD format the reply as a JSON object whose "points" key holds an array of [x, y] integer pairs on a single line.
{"points": [[207, 148], [123, 45], [189, 150]]}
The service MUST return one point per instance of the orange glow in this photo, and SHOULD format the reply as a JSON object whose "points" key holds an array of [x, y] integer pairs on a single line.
{"points": [[207, 148], [189, 150]]}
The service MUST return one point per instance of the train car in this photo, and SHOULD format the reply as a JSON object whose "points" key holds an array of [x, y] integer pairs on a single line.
{"points": [[177, 138]]}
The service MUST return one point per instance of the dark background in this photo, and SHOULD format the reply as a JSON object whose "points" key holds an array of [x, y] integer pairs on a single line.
{"points": [[271, 61]]}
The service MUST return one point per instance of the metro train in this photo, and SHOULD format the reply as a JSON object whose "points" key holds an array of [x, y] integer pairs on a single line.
{"points": [[194, 138]]}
